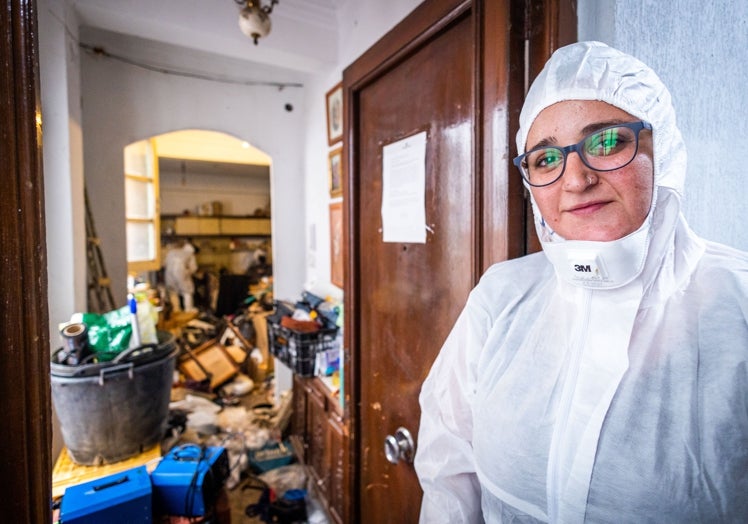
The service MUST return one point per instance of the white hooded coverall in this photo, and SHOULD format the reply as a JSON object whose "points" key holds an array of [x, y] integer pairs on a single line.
{"points": [[180, 265], [610, 399]]}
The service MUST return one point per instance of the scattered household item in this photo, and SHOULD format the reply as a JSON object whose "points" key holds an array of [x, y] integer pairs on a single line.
{"points": [[239, 347], [232, 291], [287, 509], [239, 260], [210, 209], [240, 386], [272, 455], [113, 410], [75, 344], [295, 344], [143, 319], [188, 480], [284, 495], [210, 360], [124, 497]]}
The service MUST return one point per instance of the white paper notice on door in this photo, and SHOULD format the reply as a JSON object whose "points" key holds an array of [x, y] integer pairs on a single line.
{"points": [[404, 190]]}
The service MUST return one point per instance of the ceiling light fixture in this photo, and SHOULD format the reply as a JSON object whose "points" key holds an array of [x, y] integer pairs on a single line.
{"points": [[254, 18]]}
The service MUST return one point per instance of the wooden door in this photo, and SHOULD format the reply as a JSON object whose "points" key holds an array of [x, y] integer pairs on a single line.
{"points": [[413, 292], [456, 71]]}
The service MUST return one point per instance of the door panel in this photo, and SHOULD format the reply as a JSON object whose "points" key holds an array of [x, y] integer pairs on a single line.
{"points": [[412, 293]]}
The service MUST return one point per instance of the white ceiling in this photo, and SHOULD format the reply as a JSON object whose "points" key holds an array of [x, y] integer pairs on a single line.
{"points": [[202, 35]]}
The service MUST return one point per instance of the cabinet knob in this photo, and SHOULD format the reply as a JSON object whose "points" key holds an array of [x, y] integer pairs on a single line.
{"points": [[399, 446]]}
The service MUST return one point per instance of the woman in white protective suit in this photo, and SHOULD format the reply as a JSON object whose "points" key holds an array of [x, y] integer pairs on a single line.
{"points": [[606, 378]]}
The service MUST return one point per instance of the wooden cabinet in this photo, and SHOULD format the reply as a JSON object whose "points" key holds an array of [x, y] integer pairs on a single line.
{"points": [[244, 226], [237, 226], [196, 226], [317, 423]]}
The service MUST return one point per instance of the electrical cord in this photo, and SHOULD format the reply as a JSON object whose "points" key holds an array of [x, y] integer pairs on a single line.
{"points": [[100, 51], [190, 453]]}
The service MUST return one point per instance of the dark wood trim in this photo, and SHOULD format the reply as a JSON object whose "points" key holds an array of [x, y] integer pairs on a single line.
{"points": [[502, 71], [409, 34], [550, 24], [26, 431]]}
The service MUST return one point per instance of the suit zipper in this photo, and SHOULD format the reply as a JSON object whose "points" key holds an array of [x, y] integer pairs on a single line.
{"points": [[554, 486]]}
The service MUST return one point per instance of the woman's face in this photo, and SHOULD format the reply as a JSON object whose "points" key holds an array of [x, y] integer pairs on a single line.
{"points": [[585, 204]]}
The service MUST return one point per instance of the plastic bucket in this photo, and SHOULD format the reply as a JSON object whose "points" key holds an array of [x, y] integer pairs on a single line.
{"points": [[115, 410]]}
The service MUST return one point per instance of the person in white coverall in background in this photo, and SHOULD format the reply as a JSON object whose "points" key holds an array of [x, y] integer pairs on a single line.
{"points": [[179, 266], [606, 378]]}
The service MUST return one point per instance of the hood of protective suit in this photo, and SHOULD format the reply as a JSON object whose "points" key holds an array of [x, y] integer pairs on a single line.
{"points": [[595, 71]]}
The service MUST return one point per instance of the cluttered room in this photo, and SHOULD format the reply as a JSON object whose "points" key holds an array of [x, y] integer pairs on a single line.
{"points": [[176, 419], [168, 406]]}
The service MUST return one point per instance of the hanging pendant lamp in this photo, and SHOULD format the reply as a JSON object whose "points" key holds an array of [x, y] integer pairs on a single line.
{"points": [[254, 18]]}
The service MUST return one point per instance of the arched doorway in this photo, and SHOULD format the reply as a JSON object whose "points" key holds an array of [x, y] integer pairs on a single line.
{"points": [[207, 189]]}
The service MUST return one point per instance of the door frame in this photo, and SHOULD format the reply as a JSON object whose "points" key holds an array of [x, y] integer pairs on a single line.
{"points": [[533, 30], [25, 399]]}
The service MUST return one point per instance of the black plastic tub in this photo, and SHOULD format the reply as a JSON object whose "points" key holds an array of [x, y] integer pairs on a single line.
{"points": [[112, 411]]}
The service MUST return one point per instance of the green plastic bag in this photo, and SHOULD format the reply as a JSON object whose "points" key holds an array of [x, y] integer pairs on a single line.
{"points": [[108, 334]]}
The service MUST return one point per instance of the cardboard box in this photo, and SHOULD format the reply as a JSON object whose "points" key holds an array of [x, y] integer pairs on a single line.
{"points": [[209, 360]]}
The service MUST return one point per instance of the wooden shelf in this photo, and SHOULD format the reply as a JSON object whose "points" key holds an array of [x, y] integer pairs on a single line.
{"points": [[214, 226]]}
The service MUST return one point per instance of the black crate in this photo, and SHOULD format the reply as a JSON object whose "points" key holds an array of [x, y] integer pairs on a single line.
{"points": [[299, 350]]}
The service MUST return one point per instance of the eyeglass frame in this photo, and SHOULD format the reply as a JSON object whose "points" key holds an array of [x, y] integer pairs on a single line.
{"points": [[636, 127]]}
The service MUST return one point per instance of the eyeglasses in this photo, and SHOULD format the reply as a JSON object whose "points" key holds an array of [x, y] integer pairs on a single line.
{"points": [[607, 149]]}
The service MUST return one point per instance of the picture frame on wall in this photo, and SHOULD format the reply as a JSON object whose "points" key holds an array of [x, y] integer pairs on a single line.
{"points": [[336, 244], [334, 104], [335, 172]]}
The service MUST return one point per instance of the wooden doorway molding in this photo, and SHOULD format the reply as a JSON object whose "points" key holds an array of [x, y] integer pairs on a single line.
{"points": [[25, 401], [504, 44]]}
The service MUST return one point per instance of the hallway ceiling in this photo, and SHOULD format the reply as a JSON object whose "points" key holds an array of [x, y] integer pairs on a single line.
{"points": [[204, 36]]}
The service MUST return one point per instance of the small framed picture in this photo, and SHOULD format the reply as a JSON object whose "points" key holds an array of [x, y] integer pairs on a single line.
{"points": [[336, 244], [335, 171], [334, 102]]}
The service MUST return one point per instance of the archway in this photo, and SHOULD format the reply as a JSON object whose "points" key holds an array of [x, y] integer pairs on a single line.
{"points": [[210, 190]]}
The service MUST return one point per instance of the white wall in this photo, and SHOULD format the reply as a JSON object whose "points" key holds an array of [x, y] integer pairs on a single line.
{"points": [[124, 103], [238, 194], [63, 171], [699, 50], [63, 166], [360, 25]]}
